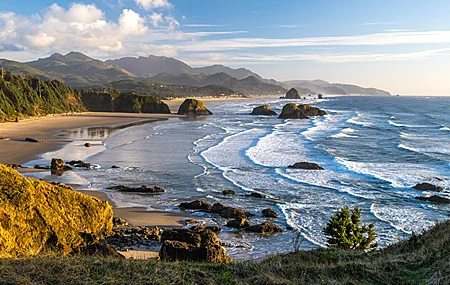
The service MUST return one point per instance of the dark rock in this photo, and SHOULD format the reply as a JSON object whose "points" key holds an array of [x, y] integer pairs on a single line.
{"points": [[435, 199], [265, 228], [238, 223], [33, 140], [269, 213], [188, 222], [428, 187], [87, 145], [128, 238], [306, 165], [292, 94], [79, 163], [14, 166], [217, 207], [263, 110], [215, 229], [228, 192], [5, 139], [229, 212], [193, 107], [98, 250], [143, 189], [302, 111], [320, 96], [199, 228], [38, 166], [196, 205], [119, 222], [192, 245], [59, 165], [256, 195], [115, 167]]}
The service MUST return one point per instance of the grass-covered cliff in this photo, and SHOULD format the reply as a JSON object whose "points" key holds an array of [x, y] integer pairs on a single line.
{"points": [[37, 216], [24, 96]]}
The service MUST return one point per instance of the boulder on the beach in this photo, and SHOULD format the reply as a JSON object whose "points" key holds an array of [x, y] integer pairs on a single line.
{"points": [[193, 107], [119, 222], [33, 140], [79, 163], [302, 111], [265, 228], [263, 110], [14, 166], [36, 216], [292, 94], [238, 223], [228, 192], [192, 245], [196, 205], [58, 165], [428, 187], [269, 213], [143, 189], [87, 145], [306, 165], [198, 228], [435, 199]]}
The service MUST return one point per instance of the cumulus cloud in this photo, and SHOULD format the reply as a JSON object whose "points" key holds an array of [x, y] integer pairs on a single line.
{"points": [[153, 4], [156, 19]]}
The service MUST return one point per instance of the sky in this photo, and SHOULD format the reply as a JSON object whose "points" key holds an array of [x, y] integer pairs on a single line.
{"points": [[400, 46]]}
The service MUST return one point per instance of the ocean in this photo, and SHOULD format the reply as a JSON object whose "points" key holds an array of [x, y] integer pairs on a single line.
{"points": [[373, 150]]}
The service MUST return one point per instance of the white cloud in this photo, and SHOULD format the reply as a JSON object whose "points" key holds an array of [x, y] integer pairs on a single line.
{"points": [[156, 18], [153, 4], [202, 25], [172, 22]]}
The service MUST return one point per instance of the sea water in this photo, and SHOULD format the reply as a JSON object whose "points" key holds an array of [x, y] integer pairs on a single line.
{"points": [[373, 150]]}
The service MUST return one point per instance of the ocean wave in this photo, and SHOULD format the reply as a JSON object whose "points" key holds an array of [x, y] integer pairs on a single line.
{"points": [[345, 133], [428, 150], [444, 128]]}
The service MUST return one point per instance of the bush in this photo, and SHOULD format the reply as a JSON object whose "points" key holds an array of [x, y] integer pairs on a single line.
{"points": [[345, 232]]}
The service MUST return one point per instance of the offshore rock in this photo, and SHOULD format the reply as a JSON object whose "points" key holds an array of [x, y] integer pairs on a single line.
{"points": [[302, 111], [435, 199], [263, 110], [269, 213], [142, 189], [306, 165], [428, 187], [196, 205], [265, 228], [193, 107], [292, 94]]}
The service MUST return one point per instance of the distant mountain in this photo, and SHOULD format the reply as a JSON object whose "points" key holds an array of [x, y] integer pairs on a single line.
{"points": [[248, 86], [79, 70], [152, 65], [24, 69], [239, 73], [321, 86]]}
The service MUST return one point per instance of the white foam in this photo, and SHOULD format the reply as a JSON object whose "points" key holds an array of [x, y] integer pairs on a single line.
{"points": [[428, 150]]}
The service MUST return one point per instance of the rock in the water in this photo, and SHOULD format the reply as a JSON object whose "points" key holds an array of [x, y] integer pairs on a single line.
{"points": [[196, 205], [292, 94], [435, 199], [229, 212], [79, 163], [38, 166], [59, 165], [319, 96], [428, 187], [36, 215], [269, 213], [263, 110], [302, 111], [256, 195], [33, 140], [87, 144], [238, 223], [192, 245], [115, 167], [142, 189], [193, 107], [265, 228], [228, 192], [306, 165]]}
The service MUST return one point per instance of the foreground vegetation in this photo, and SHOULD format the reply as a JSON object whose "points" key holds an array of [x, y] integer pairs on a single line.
{"points": [[423, 259]]}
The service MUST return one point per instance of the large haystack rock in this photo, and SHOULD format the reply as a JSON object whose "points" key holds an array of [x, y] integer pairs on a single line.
{"points": [[36, 215], [302, 111], [293, 94], [193, 107], [263, 110]]}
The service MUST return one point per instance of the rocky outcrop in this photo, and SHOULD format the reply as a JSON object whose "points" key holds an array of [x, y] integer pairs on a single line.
{"points": [[131, 238], [302, 111], [97, 250], [265, 228], [58, 165], [36, 215], [142, 189], [197, 244], [256, 195], [428, 187], [435, 199], [292, 94], [269, 213], [263, 110], [193, 107], [125, 102], [228, 192], [196, 205], [238, 223], [79, 163], [306, 165], [229, 212]]}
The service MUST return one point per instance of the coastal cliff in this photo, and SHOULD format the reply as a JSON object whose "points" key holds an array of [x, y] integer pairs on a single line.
{"points": [[36, 216]]}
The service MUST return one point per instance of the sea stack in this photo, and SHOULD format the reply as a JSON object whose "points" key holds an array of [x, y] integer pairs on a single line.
{"points": [[193, 107], [292, 94], [302, 111], [263, 110]]}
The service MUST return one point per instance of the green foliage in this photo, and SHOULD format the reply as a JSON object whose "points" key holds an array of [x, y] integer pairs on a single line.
{"points": [[30, 96], [345, 231]]}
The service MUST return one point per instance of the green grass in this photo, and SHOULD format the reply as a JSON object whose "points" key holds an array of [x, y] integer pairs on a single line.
{"points": [[423, 259]]}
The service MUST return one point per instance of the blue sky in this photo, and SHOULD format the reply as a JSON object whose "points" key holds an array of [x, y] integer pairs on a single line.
{"points": [[401, 46]]}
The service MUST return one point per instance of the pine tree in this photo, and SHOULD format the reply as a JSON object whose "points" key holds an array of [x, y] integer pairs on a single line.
{"points": [[344, 231]]}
